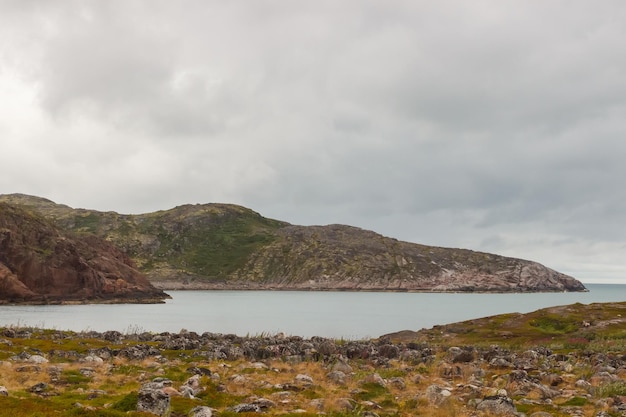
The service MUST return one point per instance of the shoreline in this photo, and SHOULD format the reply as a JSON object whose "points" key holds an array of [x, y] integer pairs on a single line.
{"points": [[172, 285]]}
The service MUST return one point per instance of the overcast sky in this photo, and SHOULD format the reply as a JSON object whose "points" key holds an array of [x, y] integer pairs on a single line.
{"points": [[497, 126]]}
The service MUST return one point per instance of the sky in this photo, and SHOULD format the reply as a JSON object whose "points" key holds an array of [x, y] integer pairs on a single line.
{"points": [[496, 126]]}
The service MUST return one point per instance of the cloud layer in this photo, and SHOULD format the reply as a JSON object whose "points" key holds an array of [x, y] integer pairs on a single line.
{"points": [[495, 126]]}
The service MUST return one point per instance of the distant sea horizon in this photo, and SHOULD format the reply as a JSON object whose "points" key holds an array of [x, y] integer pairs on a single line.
{"points": [[348, 315]]}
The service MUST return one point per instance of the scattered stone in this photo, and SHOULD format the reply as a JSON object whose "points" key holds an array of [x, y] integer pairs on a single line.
{"points": [[337, 377], [345, 404], [238, 379], [264, 403], [171, 392], [389, 351], [37, 359], [39, 388], [201, 411], [327, 347], [95, 393], [246, 408], [500, 363], [342, 365], [28, 368], [152, 399], [304, 379], [259, 365], [398, 383], [96, 360], [498, 405], [437, 395], [375, 379], [317, 404], [457, 354], [199, 371]]}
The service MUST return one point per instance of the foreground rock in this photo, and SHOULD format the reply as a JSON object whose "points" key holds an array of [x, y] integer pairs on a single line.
{"points": [[222, 246], [560, 361], [41, 264], [153, 397], [228, 369]]}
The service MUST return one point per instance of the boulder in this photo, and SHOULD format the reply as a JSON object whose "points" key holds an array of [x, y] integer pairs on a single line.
{"points": [[38, 359], [304, 379], [498, 405], [375, 379], [4, 392], [342, 365], [153, 399], [39, 388], [460, 355], [337, 377], [345, 404], [397, 382], [437, 395]]}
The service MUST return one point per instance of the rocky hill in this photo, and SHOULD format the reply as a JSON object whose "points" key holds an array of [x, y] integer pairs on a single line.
{"points": [[222, 246], [41, 264]]}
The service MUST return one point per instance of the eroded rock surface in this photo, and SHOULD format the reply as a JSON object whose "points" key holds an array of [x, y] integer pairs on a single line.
{"points": [[41, 264]]}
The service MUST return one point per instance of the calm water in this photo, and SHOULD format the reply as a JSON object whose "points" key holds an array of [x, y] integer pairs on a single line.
{"points": [[351, 315]]}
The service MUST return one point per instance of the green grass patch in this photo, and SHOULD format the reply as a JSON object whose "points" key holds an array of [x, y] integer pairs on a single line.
{"points": [[551, 323], [612, 389], [371, 391], [126, 403], [75, 378], [576, 402]]}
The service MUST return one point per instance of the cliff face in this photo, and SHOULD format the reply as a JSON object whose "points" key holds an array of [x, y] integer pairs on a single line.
{"points": [[221, 246], [41, 264]]}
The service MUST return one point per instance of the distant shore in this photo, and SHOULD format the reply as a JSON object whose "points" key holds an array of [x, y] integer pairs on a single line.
{"points": [[197, 285]]}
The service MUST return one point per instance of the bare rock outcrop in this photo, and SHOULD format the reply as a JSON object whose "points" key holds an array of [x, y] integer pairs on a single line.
{"points": [[41, 264]]}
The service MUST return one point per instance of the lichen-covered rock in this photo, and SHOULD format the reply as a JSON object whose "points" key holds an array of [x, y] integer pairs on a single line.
{"points": [[246, 408], [153, 399], [38, 388], [437, 395], [498, 405], [337, 377], [201, 411]]}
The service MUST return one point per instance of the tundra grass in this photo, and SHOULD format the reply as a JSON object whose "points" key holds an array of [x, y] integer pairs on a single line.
{"points": [[110, 389]]}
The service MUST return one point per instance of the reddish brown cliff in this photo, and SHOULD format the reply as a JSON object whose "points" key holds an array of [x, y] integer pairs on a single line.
{"points": [[41, 264]]}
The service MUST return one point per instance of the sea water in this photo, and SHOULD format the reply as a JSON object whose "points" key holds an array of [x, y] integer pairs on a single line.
{"points": [[348, 315]]}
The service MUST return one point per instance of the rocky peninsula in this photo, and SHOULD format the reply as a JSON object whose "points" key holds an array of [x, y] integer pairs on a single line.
{"points": [[560, 361], [223, 246]]}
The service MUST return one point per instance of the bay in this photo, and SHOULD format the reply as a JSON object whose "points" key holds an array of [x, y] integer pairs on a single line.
{"points": [[348, 315]]}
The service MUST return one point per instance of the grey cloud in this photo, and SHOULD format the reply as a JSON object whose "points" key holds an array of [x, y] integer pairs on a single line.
{"points": [[481, 124]]}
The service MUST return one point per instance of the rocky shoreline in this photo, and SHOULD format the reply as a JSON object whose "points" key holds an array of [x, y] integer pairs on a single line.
{"points": [[434, 372], [204, 285]]}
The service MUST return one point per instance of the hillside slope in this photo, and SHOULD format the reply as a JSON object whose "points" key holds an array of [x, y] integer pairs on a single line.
{"points": [[222, 246], [40, 264]]}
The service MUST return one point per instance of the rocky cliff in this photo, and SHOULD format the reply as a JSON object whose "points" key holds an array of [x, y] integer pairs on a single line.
{"points": [[41, 264], [221, 246]]}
